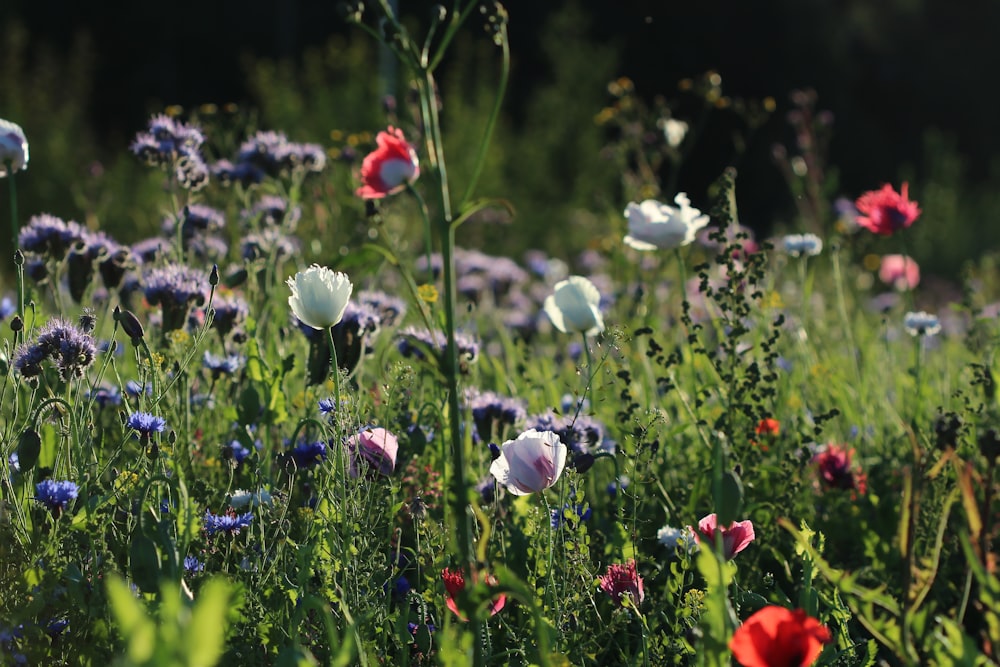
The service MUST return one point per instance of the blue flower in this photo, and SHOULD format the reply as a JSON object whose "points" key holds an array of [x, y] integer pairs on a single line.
{"points": [[235, 452], [146, 424], [222, 365], [308, 454], [327, 405], [557, 518], [134, 389], [56, 495], [230, 522], [193, 565]]}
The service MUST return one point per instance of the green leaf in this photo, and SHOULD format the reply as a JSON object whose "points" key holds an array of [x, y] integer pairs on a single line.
{"points": [[144, 563], [249, 406], [29, 445], [732, 498], [135, 626], [206, 632]]}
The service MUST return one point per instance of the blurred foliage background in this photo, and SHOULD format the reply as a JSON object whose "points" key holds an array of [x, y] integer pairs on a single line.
{"points": [[901, 80]]}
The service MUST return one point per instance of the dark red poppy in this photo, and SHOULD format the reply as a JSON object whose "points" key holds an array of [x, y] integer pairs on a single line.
{"points": [[454, 584]]}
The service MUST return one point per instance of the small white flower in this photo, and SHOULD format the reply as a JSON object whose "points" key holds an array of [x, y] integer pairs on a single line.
{"points": [[13, 148], [533, 462], [673, 130], [574, 307], [656, 226], [240, 498], [921, 324], [675, 538], [319, 296], [797, 245]]}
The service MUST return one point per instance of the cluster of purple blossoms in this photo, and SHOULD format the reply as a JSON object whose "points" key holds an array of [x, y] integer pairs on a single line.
{"points": [[229, 523], [391, 309], [150, 250], [414, 342], [65, 344], [175, 287], [273, 211], [48, 236], [230, 311], [56, 495], [269, 154], [195, 219], [490, 412], [262, 245], [222, 365], [175, 146], [559, 518]]}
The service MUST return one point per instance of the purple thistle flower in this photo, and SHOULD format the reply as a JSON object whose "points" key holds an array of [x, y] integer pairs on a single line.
{"points": [[56, 495], [145, 424], [308, 454], [72, 350], [28, 359], [195, 219], [166, 141], [413, 342], [490, 410], [149, 250], [50, 236], [243, 173], [175, 287], [229, 523]]}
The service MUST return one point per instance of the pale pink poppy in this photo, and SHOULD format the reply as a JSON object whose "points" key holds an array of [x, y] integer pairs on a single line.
{"points": [[899, 271], [735, 538], [532, 462]]}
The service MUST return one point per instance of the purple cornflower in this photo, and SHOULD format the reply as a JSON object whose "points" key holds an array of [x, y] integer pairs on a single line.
{"points": [[145, 424], [175, 287], [235, 452], [134, 389], [219, 366], [308, 454], [192, 565], [273, 211], [166, 141], [230, 311], [106, 395], [260, 246], [149, 250], [196, 219], [229, 523], [391, 309], [56, 495], [413, 342], [327, 406], [49, 236]]}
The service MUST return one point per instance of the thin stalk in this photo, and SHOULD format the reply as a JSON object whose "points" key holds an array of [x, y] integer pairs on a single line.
{"points": [[334, 369], [425, 216]]}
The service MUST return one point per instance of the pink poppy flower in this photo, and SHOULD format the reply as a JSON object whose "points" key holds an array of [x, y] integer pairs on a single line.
{"points": [[530, 463], [899, 271], [388, 168], [376, 446], [735, 538], [454, 584], [886, 211], [622, 580]]}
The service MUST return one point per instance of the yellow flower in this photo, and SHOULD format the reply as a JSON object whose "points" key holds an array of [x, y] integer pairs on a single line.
{"points": [[427, 293]]}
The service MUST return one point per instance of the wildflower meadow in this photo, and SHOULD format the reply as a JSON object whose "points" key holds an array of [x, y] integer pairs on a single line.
{"points": [[309, 420]]}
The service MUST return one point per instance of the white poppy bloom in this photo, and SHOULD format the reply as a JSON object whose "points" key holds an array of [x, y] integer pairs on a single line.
{"points": [[13, 148], [656, 226], [533, 462], [797, 245], [574, 307], [921, 324], [319, 296]]}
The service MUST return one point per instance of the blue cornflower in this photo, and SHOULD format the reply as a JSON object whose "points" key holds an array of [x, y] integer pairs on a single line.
{"points": [[222, 365], [229, 522], [7, 308], [146, 424], [235, 452], [193, 565], [56, 627], [327, 405], [134, 389], [56, 495], [557, 518], [308, 454]]}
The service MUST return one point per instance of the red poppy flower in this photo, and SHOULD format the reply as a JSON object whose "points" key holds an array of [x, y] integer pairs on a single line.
{"points": [[454, 584], [886, 211], [779, 637], [388, 168], [622, 580], [836, 471], [768, 426]]}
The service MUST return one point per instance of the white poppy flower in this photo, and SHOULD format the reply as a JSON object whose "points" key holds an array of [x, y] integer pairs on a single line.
{"points": [[319, 296], [533, 462], [13, 148], [574, 307], [656, 226]]}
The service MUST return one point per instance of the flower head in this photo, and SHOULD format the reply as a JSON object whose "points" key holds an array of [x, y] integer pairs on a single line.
{"points": [[319, 296], [886, 211], [899, 271], [834, 463], [388, 168], [376, 446], [13, 148], [574, 307], [797, 245], [454, 584], [735, 538], [229, 523], [768, 426], [308, 454], [145, 424], [56, 495], [656, 226], [532, 462], [621, 581], [779, 637], [921, 324]]}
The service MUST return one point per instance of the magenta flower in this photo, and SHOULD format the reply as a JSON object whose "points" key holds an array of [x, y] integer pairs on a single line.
{"points": [[899, 272], [390, 167], [376, 446], [836, 469], [886, 211], [735, 538], [622, 580]]}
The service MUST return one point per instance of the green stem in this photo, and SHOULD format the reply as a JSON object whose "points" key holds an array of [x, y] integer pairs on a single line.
{"points": [[428, 242], [334, 371]]}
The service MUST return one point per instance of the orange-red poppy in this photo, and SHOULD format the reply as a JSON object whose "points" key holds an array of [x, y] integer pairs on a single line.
{"points": [[779, 637]]}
